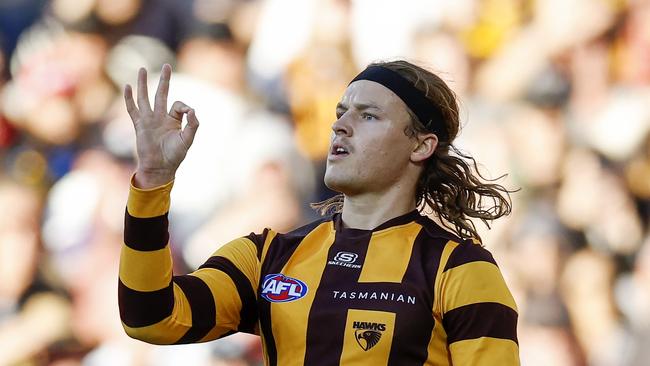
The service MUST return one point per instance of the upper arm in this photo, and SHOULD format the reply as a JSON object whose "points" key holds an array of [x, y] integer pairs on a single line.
{"points": [[232, 274], [479, 313], [224, 289]]}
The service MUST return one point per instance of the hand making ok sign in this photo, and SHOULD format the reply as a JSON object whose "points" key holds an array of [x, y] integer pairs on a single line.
{"points": [[161, 141]]}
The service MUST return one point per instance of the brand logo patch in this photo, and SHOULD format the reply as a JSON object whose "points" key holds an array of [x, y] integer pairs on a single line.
{"points": [[345, 259], [277, 287], [368, 334]]}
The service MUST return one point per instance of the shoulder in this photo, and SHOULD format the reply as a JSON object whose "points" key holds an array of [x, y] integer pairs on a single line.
{"points": [[435, 230], [304, 230], [462, 250], [264, 240], [466, 252]]}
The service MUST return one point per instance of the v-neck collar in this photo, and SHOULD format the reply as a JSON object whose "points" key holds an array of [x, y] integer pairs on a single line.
{"points": [[395, 221]]}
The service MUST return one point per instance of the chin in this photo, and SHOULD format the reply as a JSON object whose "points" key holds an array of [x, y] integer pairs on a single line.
{"points": [[334, 182], [341, 184]]}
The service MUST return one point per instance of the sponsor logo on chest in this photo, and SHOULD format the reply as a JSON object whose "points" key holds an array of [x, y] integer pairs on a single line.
{"points": [[375, 296], [345, 259], [277, 287]]}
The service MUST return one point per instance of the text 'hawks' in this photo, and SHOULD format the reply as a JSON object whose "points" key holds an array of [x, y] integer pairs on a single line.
{"points": [[368, 325]]}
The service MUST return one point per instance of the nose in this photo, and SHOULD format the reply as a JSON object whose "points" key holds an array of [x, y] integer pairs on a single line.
{"points": [[341, 126]]}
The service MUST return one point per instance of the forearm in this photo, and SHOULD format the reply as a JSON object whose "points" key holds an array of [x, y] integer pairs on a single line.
{"points": [[146, 291]]}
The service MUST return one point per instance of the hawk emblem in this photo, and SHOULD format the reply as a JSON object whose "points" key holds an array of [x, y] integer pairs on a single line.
{"points": [[367, 338]]}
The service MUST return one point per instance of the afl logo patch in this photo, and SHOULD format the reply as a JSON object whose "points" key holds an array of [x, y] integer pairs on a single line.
{"points": [[277, 287]]}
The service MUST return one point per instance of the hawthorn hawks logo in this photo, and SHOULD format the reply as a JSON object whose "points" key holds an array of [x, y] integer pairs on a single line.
{"points": [[367, 334], [277, 287]]}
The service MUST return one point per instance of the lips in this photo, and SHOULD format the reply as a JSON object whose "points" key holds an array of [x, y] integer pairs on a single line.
{"points": [[339, 150]]}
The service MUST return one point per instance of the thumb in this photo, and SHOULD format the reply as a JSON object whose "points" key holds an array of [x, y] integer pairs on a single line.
{"points": [[187, 134]]}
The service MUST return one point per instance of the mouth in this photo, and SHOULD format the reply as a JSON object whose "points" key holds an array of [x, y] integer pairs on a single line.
{"points": [[338, 151]]}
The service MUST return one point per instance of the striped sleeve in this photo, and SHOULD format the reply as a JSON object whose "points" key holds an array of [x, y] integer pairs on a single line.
{"points": [[479, 314], [157, 307]]}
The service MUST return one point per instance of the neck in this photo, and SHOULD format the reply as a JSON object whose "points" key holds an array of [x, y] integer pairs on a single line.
{"points": [[368, 210]]}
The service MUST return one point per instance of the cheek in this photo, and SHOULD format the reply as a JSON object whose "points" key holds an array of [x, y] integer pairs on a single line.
{"points": [[384, 160], [392, 149]]}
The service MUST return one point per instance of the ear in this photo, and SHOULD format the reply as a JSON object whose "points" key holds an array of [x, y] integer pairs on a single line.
{"points": [[426, 145]]}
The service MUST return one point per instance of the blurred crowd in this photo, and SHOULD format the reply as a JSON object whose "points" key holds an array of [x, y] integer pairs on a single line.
{"points": [[554, 93]]}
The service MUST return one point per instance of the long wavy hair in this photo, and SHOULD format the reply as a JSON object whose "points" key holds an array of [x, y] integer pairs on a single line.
{"points": [[450, 184]]}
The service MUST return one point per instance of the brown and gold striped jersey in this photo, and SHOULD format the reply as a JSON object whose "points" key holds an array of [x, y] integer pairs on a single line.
{"points": [[406, 293]]}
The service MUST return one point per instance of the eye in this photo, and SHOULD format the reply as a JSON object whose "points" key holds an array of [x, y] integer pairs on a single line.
{"points": [[368, 117]]}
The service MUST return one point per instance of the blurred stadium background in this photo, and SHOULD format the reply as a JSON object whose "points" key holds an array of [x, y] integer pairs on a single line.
{"points": [[554, 92]]}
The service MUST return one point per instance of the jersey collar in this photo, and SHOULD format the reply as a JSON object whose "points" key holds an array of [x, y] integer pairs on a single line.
{"points": [[395, 221]]}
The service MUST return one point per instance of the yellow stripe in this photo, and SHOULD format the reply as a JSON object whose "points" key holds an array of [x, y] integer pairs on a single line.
{"points": [[170, 329], [475, 282], [485, 351], [151, 202], [242, 253], [226, 301], [353, 353], [392, 246], [438, 284], [145, 271], [306, 264], [267, 242], [437, 352]]}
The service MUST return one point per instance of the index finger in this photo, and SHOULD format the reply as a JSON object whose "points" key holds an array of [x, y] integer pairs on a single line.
{"points": [[130, 104], [160, 103]]}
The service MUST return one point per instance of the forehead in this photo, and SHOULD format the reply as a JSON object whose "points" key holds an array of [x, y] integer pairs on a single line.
{"points": [[365, 92]]}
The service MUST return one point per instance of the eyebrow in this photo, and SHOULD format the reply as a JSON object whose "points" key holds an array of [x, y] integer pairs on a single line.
{"points": [[359, 106]]}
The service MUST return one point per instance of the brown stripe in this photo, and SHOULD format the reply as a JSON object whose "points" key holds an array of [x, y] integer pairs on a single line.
{"points": [[146, 234], [140, 309], [280, 250], [412, 346], [327, 316], [468, 252], [201, 303], [435, 230], [485, 319], [248, 313], [258, 240]]}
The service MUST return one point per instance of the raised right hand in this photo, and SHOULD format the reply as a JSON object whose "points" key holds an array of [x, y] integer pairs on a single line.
{"points": [[161, 143]]}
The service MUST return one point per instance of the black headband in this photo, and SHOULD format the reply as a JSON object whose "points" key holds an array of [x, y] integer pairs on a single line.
{"points": [[427, 112]]}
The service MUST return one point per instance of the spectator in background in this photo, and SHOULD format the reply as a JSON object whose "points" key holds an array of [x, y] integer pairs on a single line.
{"points": [[33, 315]]}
